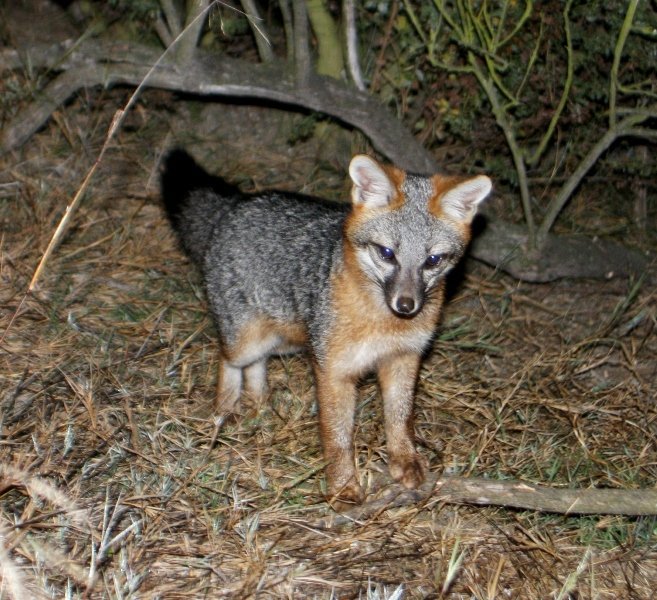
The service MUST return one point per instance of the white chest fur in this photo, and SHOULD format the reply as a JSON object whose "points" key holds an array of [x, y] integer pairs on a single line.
{"points": [[362, 357]]}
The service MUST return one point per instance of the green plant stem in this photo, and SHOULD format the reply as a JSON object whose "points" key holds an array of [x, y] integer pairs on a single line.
{"points": [[500, 26], [412, 15], [479, 30], [529, 7], [614, 85], [330, 60], [474, 37], [536, 156], [472, 34], [530, 64], [624, 128], [440, 6], [463, 36], [473, 30], [502, 119]]}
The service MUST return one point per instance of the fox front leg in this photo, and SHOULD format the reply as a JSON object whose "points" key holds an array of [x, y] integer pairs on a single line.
{"points": [[397, 378], [336, 397]]}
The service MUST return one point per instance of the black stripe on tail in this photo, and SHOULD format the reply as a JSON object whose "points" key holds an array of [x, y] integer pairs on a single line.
{"points": [[180, 176]]}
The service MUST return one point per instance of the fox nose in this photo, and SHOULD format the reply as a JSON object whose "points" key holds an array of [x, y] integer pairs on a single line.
{"points": [[405, 305]]}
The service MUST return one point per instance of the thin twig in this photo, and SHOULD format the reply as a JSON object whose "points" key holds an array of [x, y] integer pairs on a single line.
{"points": [[626, 127], [351, 34], [261, 38], [302, 64], [385, 42]]}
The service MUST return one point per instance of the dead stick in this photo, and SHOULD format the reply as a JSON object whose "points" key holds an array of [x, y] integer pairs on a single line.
{"points": [[511, 494], [70, 209]]}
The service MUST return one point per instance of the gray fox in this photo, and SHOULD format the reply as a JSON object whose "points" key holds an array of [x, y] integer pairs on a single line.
{"points": [[359, 285]]}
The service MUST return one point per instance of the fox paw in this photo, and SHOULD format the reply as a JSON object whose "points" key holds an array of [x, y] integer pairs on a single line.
{"points": [[409, 470], [346, 496]]}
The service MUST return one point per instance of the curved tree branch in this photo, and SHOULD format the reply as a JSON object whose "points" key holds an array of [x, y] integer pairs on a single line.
{"points": [[212, 75]]}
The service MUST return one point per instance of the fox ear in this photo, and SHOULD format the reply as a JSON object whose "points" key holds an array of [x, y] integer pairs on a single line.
{"points": [[462, 201], [372, 187]]}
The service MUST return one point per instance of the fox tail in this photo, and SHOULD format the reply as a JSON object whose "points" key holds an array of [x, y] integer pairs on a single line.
{"points": [[193, 200]]}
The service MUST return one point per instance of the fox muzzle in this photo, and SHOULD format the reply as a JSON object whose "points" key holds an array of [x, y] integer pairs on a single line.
{"points": [[405, 294]]}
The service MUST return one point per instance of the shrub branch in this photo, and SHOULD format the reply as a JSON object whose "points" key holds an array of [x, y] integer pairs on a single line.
{"points": [[473, 29]]}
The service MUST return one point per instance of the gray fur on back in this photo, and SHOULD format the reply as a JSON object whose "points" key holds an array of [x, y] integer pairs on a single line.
{"points": [[203, 211], [267, 255], [261, 249]]}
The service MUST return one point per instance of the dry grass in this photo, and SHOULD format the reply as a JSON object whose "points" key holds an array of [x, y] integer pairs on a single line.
{"points": [[110, 487]]}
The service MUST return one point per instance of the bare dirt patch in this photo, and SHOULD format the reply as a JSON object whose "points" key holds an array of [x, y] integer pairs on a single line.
{"points": [[110, 484]]}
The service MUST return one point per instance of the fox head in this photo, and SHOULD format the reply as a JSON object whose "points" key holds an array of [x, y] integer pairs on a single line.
{"points": [[408, 231]]}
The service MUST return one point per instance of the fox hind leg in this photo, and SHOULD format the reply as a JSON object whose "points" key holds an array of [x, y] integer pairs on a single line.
{"points": [[243, 363], [255, 380], [231, 379], [229, 386]]}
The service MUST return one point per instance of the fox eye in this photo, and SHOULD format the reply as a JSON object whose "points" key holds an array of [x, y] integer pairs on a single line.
{"points": [[386, 253], [433, 260]]}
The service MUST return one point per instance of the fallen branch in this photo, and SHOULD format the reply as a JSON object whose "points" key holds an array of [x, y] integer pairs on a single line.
{"points": [[504, 247], [510, 494]]}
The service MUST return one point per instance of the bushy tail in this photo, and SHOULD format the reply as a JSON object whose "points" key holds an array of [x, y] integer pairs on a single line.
{"points": [[193, 200]]}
